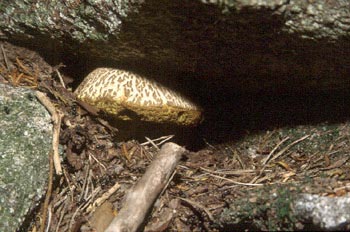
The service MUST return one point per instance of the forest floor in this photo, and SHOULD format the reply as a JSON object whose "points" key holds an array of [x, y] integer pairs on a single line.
{"points": [[212, 178]]}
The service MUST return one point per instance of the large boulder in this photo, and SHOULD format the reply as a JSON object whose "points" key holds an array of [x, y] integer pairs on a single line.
{"points": [[248, 45], [25, 142]]}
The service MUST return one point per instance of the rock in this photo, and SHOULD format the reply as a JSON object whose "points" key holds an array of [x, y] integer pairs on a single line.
{"points": [[297, 195], [265, 209], [25, 142], [246, 45], [284, 208], [325, 213]]}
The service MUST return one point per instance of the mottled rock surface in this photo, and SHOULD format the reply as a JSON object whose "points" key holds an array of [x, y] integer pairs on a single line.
{"points": [[216, 49], [284, 208], [248, 45], [311, 195], [25, 142], [326, 213]]}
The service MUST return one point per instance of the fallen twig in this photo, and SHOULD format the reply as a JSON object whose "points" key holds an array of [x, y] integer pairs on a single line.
{"points": [[61, 215], [60, 78], [97, 161], [49, 216], [162, 140], [48, 193], [89, 199], [5, 57], [152, 143], [273, 150], [336, 164], [56, 118], [234, 182], [23, 67], [195, 204], [238, 172], [99, 201], [140, 199], [289, 146]]}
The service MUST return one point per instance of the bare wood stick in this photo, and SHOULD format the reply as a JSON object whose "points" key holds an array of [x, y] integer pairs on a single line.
{"points": [[193, 203], [55, 142], [99, 201], [141, 197], [5, 57], [60, 78], [153, 144], [57, 119], [48, 193]]}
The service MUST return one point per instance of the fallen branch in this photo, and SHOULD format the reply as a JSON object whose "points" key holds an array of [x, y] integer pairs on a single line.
{"points": [[140, 199], [5, 57], [48, 194], [195, 204], [56, 118]]}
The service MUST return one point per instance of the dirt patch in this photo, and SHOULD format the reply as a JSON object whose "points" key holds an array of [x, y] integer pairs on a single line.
{"points": [[226, 168]]}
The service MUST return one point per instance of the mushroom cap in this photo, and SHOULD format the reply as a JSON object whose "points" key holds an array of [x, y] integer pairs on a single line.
{"points": [[127, 96]]}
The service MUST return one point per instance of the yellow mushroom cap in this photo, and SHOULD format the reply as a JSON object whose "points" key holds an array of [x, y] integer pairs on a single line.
{"points": [[122, 94]]}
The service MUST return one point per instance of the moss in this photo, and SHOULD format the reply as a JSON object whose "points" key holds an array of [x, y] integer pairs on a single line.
{"points": [[268, 208]]}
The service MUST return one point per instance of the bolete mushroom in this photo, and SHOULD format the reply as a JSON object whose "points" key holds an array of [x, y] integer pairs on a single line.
{"points": [[127, 96]]}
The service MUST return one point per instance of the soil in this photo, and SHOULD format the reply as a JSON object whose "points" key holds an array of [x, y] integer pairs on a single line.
{"points": [[256, 145]]}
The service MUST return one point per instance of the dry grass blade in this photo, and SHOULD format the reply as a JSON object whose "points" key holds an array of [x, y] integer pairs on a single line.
{"points": [[83, 206], [273, 150], [23, 67], [49, 216], [162, 140], [237, 156], [84, 189], [230, 172], [168, 182], [153, 144], [97, 161], [48, 193], [61, 215], [60, 78], [99, 201], [234, 182], [289, 146], [336, 164], [5, 57]]}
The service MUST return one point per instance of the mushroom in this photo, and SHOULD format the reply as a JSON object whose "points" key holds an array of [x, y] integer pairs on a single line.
{"points": [[127, 96]]}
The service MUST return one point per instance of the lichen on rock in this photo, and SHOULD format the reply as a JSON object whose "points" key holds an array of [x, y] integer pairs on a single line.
{"points": [[25, 141]]}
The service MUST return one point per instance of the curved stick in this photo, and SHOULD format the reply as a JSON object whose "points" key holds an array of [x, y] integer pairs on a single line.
{"points": [[140, 199]]}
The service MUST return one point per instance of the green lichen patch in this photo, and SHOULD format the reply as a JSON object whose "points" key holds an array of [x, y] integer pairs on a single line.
{"points": [[268, 208], [25, 141]]}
